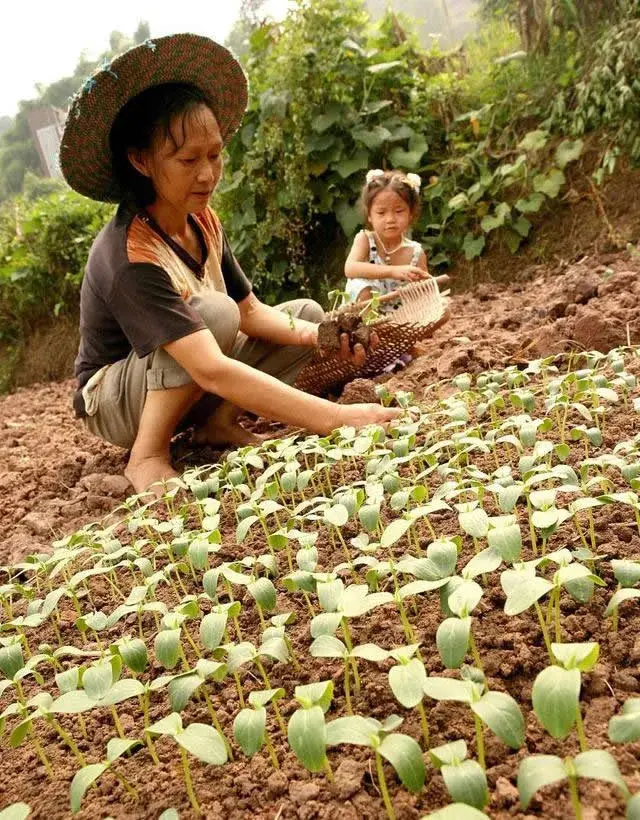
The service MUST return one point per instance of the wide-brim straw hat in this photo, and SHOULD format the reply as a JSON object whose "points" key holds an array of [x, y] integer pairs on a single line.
{"points": [[85, 156]]}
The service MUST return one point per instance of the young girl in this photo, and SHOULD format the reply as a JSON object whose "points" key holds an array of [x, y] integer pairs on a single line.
{"points": [[382, 259]]}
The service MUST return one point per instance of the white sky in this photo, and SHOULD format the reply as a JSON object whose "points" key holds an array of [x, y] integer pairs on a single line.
{"points": [[41, 40]]}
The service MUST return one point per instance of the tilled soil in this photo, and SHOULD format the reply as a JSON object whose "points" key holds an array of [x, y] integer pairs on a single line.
{"points": [[56, 477]]}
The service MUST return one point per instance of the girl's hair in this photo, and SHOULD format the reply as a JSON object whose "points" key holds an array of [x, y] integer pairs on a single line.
{"points": [[139, 123], [395, 181]]}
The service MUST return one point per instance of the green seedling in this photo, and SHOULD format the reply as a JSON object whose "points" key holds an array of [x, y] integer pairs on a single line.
{"points": [[454, 636], [238, 655], [14, 669], [250, 725], [307, 730], [276, 629], [328, 646], [41, 706], [339, 604], [625, 727], [168, 644], [407, 681], [101, 687], [524, 588], [133, 653], [181, 688], [200, 740], [498, 710], [88, 775], [537, 771], [465, 780], [556, 690], [400, 750], [627, 574]]}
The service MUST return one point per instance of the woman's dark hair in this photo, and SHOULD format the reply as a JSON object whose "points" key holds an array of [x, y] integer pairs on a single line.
{"points": [[395, 181], [138, 123]]}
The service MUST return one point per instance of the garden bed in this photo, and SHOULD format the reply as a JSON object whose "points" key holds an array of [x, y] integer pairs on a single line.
{"points": [[467, 439]]}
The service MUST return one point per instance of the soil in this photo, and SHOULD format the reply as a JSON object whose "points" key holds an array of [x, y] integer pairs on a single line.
{"points": [[55, 477], [330, 331]]}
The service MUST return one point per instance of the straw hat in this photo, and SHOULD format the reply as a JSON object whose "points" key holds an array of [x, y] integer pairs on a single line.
{"points": [[85, 157]]}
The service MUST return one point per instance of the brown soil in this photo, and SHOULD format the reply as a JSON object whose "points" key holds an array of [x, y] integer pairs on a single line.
{"points": [[330, 331], [55, 477]]}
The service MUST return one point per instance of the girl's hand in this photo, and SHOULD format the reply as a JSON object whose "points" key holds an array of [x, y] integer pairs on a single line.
{"points": [[409, 273]]}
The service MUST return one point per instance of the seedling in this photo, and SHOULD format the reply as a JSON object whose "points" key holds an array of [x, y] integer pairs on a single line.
{"points": [[542, 770], [85, 777], [101, 687], [465, 780], [556, 690], [627, 574], [250, 725], [400, 750], [497, 709], [407, 680], [625, 727], [328, 646], [200, 740], [307, 730]]}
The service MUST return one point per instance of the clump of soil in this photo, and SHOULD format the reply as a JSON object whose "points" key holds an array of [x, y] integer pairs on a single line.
{"points": [[331, 330]]}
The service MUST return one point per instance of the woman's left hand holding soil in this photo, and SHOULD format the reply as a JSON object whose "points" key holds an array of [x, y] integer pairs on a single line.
{"points": [[357, 354]]}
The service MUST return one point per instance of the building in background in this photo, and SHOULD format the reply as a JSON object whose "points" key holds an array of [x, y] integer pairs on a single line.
{"points": [[46, 124]]}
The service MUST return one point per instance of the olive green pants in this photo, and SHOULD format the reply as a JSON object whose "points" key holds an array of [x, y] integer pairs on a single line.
{"points": [[116, 399]]}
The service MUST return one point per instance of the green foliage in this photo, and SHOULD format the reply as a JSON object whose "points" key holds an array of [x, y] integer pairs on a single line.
{"points": [[608, 94], [44, 246]]}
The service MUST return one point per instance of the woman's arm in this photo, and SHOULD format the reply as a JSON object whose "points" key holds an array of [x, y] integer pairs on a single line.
{"points": [[261, 321], [265, 395]]}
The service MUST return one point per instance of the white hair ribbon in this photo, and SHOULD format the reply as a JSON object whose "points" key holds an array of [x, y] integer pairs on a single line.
{"points": [[373, 173], [415, 181]]}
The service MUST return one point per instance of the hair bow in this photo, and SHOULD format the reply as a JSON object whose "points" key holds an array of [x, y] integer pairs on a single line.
{"points": [[373, 173], [415, 181]]}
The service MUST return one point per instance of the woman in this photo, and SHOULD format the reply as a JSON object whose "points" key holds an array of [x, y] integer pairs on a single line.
{"points": [[171, 334]]}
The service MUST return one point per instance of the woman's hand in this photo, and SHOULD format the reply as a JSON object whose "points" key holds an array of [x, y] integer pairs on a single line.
{"points": [[356, 355], [359, 415], [409, 273]]}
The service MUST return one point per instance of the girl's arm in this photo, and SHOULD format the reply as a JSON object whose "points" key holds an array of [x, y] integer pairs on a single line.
{"points": [[356, 265], [250, 389], [422, 262]]}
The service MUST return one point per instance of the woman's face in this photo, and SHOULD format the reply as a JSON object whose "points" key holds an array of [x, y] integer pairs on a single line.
{"points": [[389, 215], [186, 166]]}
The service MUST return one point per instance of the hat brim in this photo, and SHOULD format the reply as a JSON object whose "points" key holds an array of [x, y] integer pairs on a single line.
{"points": [[85, 156]]}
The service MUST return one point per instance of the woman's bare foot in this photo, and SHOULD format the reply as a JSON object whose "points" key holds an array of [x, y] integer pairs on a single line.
{"points": [[150, 474], [232, 434], [223, 429]]}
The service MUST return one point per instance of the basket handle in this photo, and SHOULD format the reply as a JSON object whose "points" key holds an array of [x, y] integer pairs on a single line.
{"points": [[442, 281]]}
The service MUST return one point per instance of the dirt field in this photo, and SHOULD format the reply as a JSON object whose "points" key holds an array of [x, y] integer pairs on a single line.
{"points": [[55, 477]]}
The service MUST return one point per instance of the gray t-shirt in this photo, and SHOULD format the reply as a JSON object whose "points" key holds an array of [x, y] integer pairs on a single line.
{"points": [[127, 299]]}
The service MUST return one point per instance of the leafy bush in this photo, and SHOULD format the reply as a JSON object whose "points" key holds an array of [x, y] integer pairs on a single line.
{"points": [[43, 251], [608, 95]]}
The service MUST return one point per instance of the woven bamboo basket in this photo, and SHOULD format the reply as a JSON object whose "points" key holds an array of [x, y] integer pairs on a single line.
{"points": [[417, 311]]}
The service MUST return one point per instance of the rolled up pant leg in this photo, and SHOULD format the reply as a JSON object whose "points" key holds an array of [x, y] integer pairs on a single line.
{"points": [[123, 391]]}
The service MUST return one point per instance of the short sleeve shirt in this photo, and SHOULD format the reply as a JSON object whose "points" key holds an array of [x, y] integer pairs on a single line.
{"points": [[128, 299]]}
